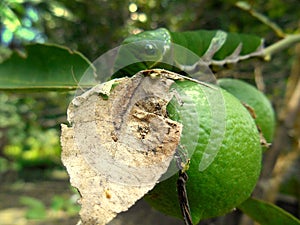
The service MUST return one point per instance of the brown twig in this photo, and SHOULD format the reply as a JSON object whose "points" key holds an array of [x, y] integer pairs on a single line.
{"points": [[183, 199]]}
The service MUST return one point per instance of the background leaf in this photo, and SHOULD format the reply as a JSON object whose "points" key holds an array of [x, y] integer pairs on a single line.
{"points": [[35, 208], [43, 67], [266, 213]]}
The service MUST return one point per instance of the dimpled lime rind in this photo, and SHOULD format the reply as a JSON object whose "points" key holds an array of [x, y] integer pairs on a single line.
{"points": [[246, 93], [231, 177]]}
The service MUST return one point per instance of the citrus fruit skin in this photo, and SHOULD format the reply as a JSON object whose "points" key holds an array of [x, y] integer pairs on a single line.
{"points": [[246, 93], [230, 178]]}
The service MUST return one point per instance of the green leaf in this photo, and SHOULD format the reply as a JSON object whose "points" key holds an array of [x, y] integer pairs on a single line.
{"points": [[185, 51], [43, 67], [217, 47], [266, 213]]}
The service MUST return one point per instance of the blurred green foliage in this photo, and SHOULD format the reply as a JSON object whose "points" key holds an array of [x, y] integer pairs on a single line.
{"points": [[20, 22], [29, 124], [93, 27], [35, 208], [29, 128], [61, 203]]}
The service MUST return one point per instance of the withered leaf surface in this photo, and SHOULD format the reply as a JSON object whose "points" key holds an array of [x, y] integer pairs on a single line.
{"points": [[119, 143]]}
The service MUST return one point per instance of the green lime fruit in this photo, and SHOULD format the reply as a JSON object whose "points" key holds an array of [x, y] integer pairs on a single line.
{"points": [[231, 177], [246, 93]]}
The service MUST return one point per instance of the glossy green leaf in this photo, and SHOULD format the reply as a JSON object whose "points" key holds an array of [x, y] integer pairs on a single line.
{"points": [[266, 213], [217, 47], [43, 67]]}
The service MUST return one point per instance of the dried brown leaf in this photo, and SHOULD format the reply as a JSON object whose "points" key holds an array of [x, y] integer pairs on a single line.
{"points": [[117, 147]]}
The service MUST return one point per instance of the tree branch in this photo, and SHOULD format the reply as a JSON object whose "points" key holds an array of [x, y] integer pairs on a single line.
{"points": [[286, 42], [248, 8]]}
